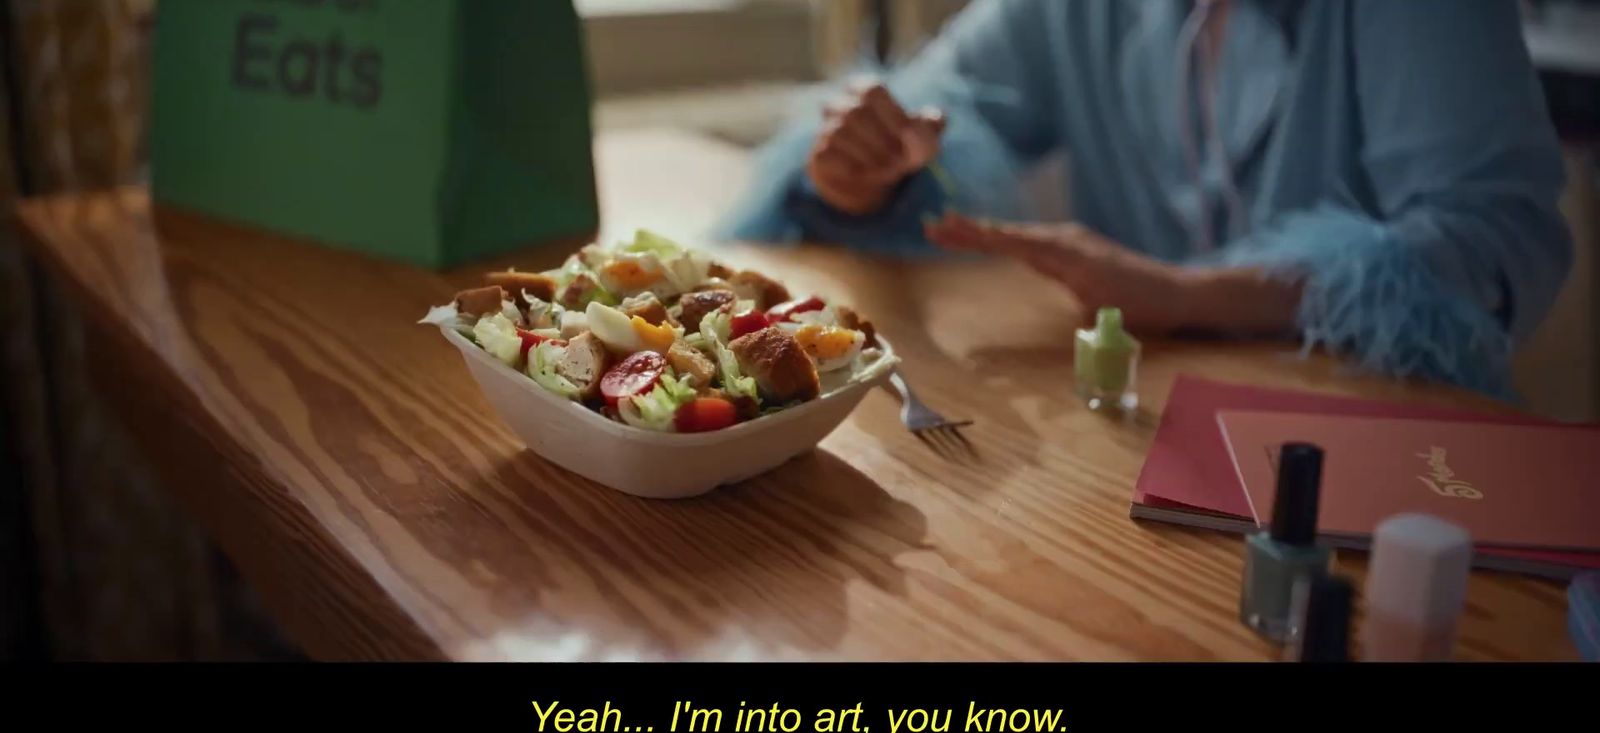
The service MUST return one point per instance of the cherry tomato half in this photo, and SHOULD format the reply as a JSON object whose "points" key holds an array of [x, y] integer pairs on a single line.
{"points": [[705, 414], [785, 311], [747, 322], [635, 375]]}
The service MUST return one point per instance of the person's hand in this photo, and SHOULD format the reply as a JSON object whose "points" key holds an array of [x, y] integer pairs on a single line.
{"points": [[1155, 297], [868, 144]]}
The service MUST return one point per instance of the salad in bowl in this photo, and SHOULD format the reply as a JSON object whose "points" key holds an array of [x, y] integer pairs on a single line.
{"points": [[664, 338]]}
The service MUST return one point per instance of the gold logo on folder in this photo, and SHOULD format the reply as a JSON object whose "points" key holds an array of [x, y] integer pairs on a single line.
{"points": [[1442, 480]]}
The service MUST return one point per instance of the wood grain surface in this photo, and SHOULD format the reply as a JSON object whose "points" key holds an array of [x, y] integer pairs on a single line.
{"points": [[342, 455]]}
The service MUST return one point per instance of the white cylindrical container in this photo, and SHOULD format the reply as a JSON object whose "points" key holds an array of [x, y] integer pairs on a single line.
{"points": [[1416, 589]]}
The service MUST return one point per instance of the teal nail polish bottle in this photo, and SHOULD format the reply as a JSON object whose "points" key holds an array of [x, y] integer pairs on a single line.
{"points": [[1106, 359], [1288, 551]]}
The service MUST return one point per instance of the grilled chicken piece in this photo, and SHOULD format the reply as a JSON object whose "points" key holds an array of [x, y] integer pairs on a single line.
{"points": [[695, 306], [853, 321], [752, 285], [481, 301], [585, 363], [539, 286], [780, 367], [688, 361], [648, 308]]}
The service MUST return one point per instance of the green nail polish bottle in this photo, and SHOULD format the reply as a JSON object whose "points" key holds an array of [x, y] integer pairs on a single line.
{"points": [[1106, 358]]}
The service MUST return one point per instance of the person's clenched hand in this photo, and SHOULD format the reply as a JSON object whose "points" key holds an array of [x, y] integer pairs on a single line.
{"points": [[867, 145], [1153, 295]]}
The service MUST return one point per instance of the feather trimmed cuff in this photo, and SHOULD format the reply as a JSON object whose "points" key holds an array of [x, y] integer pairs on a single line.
{"points": [[1373, 297]]}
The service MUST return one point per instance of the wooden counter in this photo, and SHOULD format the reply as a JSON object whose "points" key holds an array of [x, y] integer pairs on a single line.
{"points": [[343, 457]]}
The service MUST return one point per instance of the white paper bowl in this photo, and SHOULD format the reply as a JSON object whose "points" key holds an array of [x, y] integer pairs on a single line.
{"points": [[647, 463]]}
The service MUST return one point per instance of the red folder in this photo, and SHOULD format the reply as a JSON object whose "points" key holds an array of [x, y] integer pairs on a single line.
{"points": [[1188, 477]]}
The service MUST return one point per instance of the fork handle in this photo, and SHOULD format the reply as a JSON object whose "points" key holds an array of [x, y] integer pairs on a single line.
{"points": [[900, 386]]}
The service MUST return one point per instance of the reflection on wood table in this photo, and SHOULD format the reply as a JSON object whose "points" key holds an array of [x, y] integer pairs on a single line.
{"points": [[344, 458]]}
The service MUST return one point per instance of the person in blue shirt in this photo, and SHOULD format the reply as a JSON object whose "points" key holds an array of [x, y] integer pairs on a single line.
{"points": [[1377, 177]]}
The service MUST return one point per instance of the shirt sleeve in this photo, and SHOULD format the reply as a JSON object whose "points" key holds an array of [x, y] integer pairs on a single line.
{"points": [[991, 71], [1463, 249]]}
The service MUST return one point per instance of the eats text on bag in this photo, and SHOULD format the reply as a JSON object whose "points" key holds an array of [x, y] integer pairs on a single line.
{"points": [[265, 61]]}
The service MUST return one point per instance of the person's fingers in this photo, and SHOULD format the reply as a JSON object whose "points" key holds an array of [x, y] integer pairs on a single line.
{"points": [[952, 232], [931, 120], [832, 163], [1038, 246], [842, 182], [861, 152], [1032, 230], [885, 110], [867, 127], [959, 232]]}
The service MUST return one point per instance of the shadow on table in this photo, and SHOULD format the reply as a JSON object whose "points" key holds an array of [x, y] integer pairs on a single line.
{"points": [[756, 570], [1038, 366]]}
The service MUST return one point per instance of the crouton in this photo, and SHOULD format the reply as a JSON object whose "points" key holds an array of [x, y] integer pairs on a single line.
{"points": [[719, 271], [752, 285], [648, 308], [577, 292], [695, 306], [481, 301], [689, 362], [853, 321], [780, 367], [539, 286], [584, 364]]}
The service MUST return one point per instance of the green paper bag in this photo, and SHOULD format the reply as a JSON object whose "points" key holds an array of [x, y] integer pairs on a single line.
{"points": [[429, 131]]}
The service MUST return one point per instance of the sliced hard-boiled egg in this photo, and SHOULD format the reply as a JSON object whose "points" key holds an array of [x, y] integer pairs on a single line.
{"points": [[687, 270], [655, 338], [822, 317], [626, 335], [793, 323], [829, 346], [631, 273]]}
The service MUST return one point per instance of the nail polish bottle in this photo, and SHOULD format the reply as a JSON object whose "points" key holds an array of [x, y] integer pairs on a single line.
{"points": [[1106, 359], [1321, 609], [1416, 589], [1288, 550]]}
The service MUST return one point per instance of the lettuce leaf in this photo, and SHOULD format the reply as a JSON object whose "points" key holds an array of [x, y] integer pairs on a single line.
{"points": [[542, 361], [734, 381], [498, 336], [715, 329], [447, 316], [540, 313], [685, 269], [646, 241], [658, 409], [597, 293]]}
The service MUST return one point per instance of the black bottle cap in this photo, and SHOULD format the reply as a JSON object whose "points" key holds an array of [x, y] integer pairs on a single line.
{"points": [[1321, 618], [1294, 509]]}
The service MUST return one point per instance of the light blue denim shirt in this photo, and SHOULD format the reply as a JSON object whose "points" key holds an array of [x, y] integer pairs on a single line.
{"points": [[1395, 155]]}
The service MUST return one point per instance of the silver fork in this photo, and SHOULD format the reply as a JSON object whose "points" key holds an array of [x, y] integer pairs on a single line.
{"points": [[933, 429]]}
